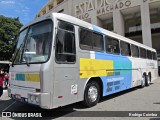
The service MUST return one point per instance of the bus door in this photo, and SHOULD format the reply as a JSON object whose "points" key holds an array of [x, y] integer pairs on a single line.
{"points": [[66, 71]]}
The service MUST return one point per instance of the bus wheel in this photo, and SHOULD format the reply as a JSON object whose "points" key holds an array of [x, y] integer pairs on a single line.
{"points": [[91, 94], [143, 81], [147, 80]]}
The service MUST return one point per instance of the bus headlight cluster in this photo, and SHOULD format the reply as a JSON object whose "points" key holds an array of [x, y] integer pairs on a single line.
{"points": [[34, 99]]}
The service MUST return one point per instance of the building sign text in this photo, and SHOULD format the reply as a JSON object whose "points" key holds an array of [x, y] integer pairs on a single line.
{"points": [[101, 6]]}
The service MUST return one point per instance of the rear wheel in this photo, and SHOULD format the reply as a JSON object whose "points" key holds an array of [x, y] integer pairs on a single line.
{"points": [[147, 82], [91, 94]]}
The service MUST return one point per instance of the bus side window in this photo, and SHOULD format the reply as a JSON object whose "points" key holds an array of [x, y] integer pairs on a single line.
{"points": [[154, 56], [90, 40], [135, 51], [112, 45], [65, 43], [85, 39], [142, 53], [98, 43], [149, 54], [125, 49]]}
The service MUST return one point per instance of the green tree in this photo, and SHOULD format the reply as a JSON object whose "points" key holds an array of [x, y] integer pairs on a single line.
{"points": [[9, 29]]}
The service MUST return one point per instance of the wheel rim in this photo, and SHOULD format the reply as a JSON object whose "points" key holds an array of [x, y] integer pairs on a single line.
{"points": [[92, 93]]}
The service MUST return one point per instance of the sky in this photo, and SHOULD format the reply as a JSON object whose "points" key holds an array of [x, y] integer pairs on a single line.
{"points": [[26, 10]]}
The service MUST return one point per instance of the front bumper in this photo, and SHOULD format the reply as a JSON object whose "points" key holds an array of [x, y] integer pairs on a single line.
{"points": [[28, 95]]}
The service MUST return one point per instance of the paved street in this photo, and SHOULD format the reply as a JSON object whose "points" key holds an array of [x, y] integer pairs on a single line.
{"points": [[136, 99]]}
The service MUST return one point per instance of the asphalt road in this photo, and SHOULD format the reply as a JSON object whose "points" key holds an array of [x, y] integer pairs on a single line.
{"points": [[124, 105]]}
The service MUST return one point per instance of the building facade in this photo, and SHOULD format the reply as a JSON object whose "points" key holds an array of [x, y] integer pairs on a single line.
{"points": [[138, 20]]}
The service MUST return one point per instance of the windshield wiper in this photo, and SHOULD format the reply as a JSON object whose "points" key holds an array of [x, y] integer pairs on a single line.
{"points": [[26, 60], [16, 54]]}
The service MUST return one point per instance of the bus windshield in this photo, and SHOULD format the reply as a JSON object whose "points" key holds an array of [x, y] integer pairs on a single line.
{"points": [[34, 43]]}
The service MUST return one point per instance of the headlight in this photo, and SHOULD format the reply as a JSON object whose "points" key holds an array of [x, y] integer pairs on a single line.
{"points": [[32, 98], [37, 99]]}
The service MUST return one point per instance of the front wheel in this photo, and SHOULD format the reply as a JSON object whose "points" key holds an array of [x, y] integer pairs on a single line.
{"points": [[143, 81], [91, 94]]}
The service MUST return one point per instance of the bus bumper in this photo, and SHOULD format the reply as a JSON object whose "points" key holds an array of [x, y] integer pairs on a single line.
{"points": [[39, 99]]}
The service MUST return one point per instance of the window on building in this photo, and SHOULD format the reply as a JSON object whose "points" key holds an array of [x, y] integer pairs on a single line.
{"points": [[90, 40], [154, 56], [65, 43], [149, 54], [142, 53], [112, 45], [125, 49], [135, 51]]}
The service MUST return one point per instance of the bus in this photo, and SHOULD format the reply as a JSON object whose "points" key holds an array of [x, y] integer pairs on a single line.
{"points": [[60, 60]]}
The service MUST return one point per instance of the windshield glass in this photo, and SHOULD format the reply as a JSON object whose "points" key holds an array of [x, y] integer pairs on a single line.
{"points": [[18, 51], [36, 44]]}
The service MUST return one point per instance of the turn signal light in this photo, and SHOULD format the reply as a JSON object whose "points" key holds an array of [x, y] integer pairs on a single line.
{"points": [[38, 90]]}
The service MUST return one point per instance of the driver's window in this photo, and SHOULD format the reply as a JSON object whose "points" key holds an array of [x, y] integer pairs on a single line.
{"points": [[65, 43]]}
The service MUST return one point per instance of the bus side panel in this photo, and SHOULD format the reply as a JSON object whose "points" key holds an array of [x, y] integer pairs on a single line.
{"points": [[82, 81], [153, 69], [121, 79], [136, 72]]}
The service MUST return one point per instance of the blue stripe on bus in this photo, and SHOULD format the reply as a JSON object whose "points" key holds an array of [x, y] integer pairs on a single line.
{"points": [[122, 81], [20, 77], [95, 28]]}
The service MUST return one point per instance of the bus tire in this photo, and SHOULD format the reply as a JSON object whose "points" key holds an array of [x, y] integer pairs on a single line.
{"points": [[91, 94], [147, 82], [143, 81]]}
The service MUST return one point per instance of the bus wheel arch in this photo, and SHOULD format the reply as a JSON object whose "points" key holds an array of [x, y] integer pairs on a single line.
{"points": [[94, 86]]}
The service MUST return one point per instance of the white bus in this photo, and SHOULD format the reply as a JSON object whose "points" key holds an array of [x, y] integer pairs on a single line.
{"points": [[70, 60]]}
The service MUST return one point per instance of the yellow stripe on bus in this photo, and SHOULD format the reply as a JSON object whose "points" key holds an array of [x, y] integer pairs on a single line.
{"points": [[32, 77], [95, 68]]}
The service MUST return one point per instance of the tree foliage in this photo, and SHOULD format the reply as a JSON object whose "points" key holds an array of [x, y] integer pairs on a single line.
{"points": [[9, 29]]}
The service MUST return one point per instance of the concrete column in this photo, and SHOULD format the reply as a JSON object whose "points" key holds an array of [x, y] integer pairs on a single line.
{"points": [[70, 7], [47, 9], [94, 20], [146, 27], [54, 3], [118, 23]]}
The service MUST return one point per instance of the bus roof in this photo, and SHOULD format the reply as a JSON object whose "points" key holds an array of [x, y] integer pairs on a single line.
{"points": [[84, 24]]}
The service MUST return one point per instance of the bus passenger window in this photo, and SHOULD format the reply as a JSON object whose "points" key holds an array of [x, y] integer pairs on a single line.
{"points": [[154, 56], [90, 40], [135, 51], [65, 44], [149, 54], [142, 53], [125, 49], [85, 39], [98, 44], [112, 45]]}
